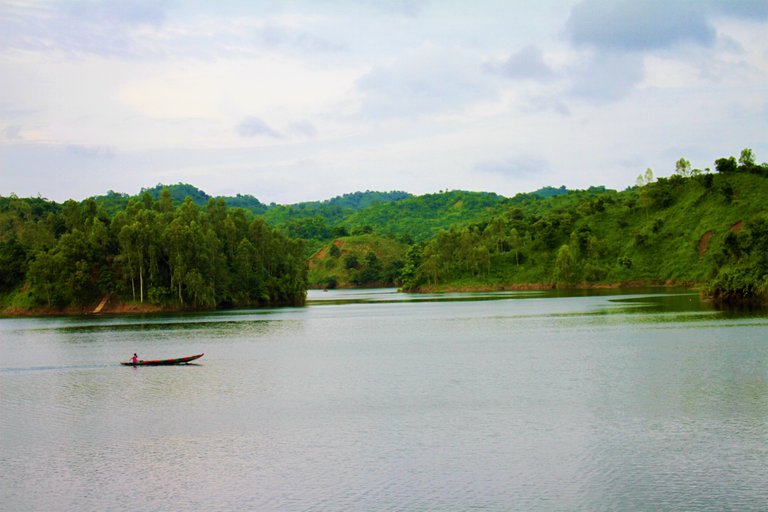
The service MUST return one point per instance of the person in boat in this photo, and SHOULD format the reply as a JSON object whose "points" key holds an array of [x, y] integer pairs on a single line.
{"points": [[135, 358]]}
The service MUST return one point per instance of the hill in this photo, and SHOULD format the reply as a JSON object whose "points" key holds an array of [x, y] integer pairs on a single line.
{"points": [[689, 229], [357, 261], [151, 255], [694, 228], [421, 218], [114, 202]]}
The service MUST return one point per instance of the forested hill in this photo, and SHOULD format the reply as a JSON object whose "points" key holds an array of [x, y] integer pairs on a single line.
{"points": [[114, 202], [702, 228], [695, 227], [76, 257]]}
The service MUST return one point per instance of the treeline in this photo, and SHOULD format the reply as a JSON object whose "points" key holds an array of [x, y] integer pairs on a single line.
{"points": [[694, 227], [114, 202], [74, 254]]}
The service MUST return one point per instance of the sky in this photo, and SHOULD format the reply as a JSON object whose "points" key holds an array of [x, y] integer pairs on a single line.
{"points": [[306, 100]]}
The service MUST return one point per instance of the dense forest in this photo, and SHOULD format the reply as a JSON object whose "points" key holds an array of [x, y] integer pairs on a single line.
{"points": [[176, 247], [75, 255]]}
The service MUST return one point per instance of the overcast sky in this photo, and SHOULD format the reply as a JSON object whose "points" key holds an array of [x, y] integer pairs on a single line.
{"points": [[298, 101]]}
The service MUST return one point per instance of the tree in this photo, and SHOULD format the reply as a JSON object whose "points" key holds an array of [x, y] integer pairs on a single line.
{"points": [[371, 272], [643, 181], [564, 266], [726, 165], [683, 168], [494, 232], [747, 159], [46, 280], [13, 262], [645, 178], [514, 242], [351, 262], [409, 273]]}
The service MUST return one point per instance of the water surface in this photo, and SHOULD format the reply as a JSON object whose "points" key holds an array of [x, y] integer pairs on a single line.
{"points": [[377, 400]]}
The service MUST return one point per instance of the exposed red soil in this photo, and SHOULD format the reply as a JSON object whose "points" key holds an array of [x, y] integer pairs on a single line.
{"points": [[704, 242], [320, 255]]}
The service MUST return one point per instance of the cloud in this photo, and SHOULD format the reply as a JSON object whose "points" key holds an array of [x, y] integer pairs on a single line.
{"points": [[12, 132], [628, 25], [116, 12], [744, 9], [255, 127], [542, 103], [303, 128], [517, 166], [428, 81], [276, 37], [103, 28], [607, 77], [90, 151], [407, 8], [526, 64], [618, 34]]}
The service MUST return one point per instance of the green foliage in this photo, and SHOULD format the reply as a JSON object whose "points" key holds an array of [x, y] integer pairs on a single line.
{"points": [[360, 200], [564, 270], [366, 260], [747, 158], [73, 255], [333, 211], [651, 234], [546, 192], [740, 273], [178, 192], [173, 195], [726, 165], [201, 252], [420, 218]]}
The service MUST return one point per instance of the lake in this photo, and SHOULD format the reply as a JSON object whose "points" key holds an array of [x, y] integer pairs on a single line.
{"points": [[377, 400]]}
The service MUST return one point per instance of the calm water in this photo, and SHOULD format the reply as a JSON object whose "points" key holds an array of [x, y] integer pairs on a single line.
{"points": [[375, 400]]}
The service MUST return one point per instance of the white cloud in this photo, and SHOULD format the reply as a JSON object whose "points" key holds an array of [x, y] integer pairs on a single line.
{"points": [[525, 64], [303, 101], [12, 132], [429, 80], [516, 166], [254, 127]]}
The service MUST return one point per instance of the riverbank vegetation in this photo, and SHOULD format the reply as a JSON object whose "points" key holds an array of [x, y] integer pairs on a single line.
{"points": [[75, 256], [693, 228], [176, 247]]}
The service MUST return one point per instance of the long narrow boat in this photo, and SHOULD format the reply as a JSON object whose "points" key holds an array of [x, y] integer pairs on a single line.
{"points": [[163, 362]]}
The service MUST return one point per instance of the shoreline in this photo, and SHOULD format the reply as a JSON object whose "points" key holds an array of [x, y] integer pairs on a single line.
{"points": [[130, 308], [498, 287], [121, 308], [110, 308]]}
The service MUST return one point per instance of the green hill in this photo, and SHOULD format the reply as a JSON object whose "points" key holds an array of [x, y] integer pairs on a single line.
{"points": [[696, 229], [357, 261], [113, 202], [150, 255], [422, 217], [687, 230]]}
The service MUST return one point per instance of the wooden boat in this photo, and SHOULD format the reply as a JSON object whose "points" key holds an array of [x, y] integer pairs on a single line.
{"points": [[163, 362]]}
